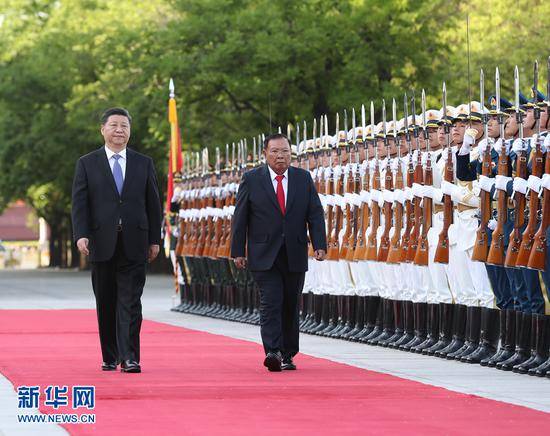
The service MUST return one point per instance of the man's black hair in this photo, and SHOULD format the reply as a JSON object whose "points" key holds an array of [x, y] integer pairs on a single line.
{"points": [[275, 136], [115, 111]]}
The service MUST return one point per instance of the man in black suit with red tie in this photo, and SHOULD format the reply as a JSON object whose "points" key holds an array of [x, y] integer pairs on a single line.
{"points": [[116, 214], [276, 206]]}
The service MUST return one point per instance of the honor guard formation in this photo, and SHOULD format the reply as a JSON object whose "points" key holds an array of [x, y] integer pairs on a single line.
{"points": [[436, 226]]}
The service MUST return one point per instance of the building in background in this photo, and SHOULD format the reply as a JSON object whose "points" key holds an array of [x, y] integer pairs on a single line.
{"points": [[23, 238]]}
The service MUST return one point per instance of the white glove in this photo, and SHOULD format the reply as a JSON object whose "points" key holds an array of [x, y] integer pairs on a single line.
{"points": [[339, 201], [347, 199], [329, 199], [546, 181], [427, 191], [388, 196], [399, 196], [484, 144], [469, 140], [501, 182], [534, 183], [417, 190], [492, 224], [437, 195], [375, 195], [519, 185], [519, 145], [365, 196], [486, 183], [447, 188], [356, 200], [546, 143], [408, 194], [499, 146]]}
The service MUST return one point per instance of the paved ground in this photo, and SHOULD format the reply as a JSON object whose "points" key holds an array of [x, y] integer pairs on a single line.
{"points": [[72, 290]]}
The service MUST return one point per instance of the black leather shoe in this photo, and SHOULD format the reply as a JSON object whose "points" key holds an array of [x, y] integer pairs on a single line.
{"points": [[130, 366], [273, 361], [111, 366], [288, 364]]}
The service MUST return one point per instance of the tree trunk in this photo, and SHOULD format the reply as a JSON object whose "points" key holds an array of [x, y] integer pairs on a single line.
{"points": [[55, 245]]}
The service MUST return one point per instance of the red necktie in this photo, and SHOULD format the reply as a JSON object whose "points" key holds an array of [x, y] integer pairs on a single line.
{"points": [[280, 193]]}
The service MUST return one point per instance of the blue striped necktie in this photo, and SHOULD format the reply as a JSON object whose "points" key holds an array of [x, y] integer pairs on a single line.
{"points": [[117, 173]]}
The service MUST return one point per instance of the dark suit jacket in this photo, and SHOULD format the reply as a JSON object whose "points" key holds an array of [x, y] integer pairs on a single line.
{"points": [[97, 207], [258, 219]]}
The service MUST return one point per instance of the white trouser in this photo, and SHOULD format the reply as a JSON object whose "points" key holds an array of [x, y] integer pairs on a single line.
{"points": [[312, 277], [468, 280], [337, 278], [439, 292], [482, 285]]}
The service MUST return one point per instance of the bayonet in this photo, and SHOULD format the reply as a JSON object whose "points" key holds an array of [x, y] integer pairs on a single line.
{"points": [[536, 109], [395, 137], [372, 130], [298, 140], [424, 121], [500, 116], [445, 117], [346, 122], [353, 127], [484, 117], [519, 117], [254, 150]]}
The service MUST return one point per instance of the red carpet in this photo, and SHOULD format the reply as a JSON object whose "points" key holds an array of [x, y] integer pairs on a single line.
{"points": [[195, 383]]}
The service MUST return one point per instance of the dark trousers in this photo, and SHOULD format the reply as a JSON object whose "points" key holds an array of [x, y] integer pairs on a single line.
{"points": [[118, 285], [280, 290], [500, 282]]}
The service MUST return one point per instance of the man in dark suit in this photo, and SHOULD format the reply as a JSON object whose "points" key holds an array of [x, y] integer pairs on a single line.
{"points": [[116, 216], [276, 206]]}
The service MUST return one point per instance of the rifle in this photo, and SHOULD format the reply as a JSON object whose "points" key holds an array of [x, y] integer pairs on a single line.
{"points": [[355, 211], [360, 246], [442, 250], [418, 179], [409, 209], [528, 237], [518, 197], [394, 256], [336, 215], [537, 258], [203, 227], [481, 246], [350, 187], [388, 186], [496, 251], [421, 256], [372, 243]]}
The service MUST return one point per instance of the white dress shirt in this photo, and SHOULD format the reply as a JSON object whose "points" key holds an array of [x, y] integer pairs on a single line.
{"points": [[274, 181], [121, 160]]}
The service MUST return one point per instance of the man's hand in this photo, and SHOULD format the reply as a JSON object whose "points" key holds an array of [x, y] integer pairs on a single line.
{"points": [[153, 252], [82, 245], [320, 255], [240, 262]]}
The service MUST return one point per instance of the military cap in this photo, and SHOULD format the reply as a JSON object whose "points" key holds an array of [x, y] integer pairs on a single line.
{"points": [[504, 104], [463, 111], [432, 117], [451, 111]]}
